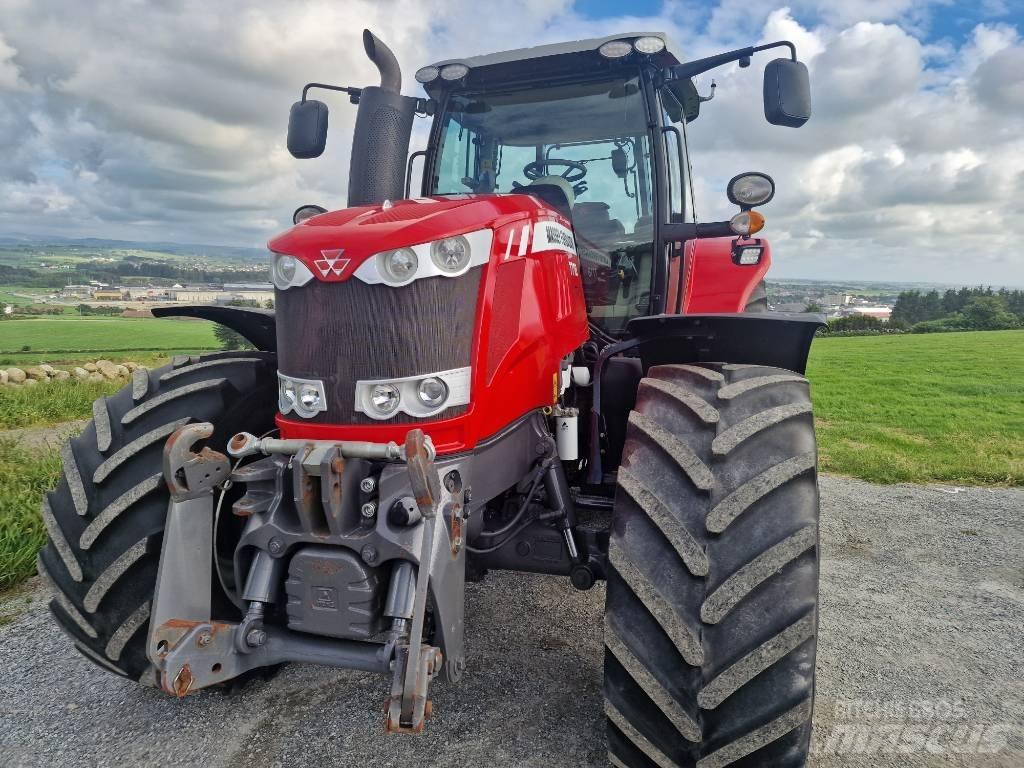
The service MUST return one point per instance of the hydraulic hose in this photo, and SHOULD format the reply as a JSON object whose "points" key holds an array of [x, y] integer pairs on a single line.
{"points": [[514, 524]]}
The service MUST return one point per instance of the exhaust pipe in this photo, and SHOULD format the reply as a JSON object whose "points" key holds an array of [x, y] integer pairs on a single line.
{"points": [[380, 143], [385, 61]]}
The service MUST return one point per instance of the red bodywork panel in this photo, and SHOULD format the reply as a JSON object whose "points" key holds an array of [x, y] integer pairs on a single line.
{"points": [[711, 281], [530, 313]]}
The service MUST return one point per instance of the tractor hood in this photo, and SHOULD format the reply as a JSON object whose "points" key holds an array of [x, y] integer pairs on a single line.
{"points": [[333, 245]]}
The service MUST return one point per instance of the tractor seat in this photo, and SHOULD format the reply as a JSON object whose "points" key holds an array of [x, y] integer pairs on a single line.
{"points": [[593, 223], [553, 190]]}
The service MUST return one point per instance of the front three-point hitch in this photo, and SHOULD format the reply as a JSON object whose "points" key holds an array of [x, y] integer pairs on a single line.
{"points": [[191, 650]]}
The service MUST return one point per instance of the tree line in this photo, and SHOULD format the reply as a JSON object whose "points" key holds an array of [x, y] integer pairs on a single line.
{"points": [[965, 309]]}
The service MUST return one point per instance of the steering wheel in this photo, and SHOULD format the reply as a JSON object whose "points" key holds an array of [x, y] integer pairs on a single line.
{"points": [[573, 173]]}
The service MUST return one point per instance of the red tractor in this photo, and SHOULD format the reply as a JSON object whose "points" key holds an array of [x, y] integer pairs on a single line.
{"points": [[543, 363]]}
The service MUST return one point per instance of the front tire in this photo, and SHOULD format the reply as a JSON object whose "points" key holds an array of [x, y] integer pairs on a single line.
{"points": [[106, 517], [711, 613]]}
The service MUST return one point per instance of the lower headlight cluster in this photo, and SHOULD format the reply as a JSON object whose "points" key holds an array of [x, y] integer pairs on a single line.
{"points": [[306, 397], [419, 396]]}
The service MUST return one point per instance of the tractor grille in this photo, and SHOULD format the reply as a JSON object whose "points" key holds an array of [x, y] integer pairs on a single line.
{"points": [[343, 332]]}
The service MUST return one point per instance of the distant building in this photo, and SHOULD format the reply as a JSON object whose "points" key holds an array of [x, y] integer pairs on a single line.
{"points": [[194, 294], [107, 294], [76, 292], [882, 313], [836, 299], [790, 307], [250, 287]]}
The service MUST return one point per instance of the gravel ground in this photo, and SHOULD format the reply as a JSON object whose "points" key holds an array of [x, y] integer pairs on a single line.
{"points": [[920, 664]]}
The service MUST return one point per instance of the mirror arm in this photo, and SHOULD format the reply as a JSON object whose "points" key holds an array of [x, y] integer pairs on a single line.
{"points": [[677, 233], [779, 44], [699, 66], [353, 93]]}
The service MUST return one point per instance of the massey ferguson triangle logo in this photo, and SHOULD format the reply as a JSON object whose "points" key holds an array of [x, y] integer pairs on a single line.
{"points": [[331, 263]]}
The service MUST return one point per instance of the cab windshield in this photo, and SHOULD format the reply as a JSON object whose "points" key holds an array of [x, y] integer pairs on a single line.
{"points": [[594, 138]]}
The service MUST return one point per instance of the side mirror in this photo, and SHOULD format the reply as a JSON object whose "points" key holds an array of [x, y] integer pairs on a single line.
{"points": [[307, 129], [681, 100], [787, 93], [620, 164]]}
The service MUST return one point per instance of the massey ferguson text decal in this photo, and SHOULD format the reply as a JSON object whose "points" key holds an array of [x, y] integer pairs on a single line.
{"points": [[551, 236]]}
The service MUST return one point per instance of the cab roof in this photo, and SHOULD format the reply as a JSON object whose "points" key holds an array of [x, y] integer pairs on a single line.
{"points": [[563, 60]]}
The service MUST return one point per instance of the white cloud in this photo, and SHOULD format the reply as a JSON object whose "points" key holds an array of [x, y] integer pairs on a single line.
{"points": [[150, 120]]}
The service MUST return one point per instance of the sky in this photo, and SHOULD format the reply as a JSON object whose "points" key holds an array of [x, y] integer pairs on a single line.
{"points": [[165, 121]]}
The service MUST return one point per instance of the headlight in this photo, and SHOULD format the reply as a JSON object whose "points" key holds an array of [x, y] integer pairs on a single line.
{"points": [[306, 397], [432, 392], [399, 266], [616, 49], [288, 272], [288, 393], [649, 45], [450, 255], [385, 398], [286, 268], [750, 189], [420, 396], [304, 212], [454, 71], [427, 74], [747, 255], [309, 397], [446, 257]]}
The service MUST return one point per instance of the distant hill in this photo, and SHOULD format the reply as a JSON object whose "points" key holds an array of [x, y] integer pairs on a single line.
{"points": [[230, 252]]}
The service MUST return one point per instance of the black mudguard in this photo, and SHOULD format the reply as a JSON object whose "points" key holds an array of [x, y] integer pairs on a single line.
{"points": [[778, 339], [257, 326]]}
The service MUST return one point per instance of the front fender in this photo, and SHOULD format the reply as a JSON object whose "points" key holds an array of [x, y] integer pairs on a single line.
{"points": [[778, 339], [257, 326]]}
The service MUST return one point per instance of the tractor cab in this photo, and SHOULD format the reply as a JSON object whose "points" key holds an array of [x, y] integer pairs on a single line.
{"points": [[582, 126]]}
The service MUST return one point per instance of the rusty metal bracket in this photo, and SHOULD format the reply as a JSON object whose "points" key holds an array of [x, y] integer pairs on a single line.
{"points": [[430, 661], [416, 663], [192, 475], [183, 598]]}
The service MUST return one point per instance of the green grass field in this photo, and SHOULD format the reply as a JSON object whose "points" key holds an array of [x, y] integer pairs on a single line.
{"points": [[51, 403], [945, 407], [24, 479], [65, 338]]}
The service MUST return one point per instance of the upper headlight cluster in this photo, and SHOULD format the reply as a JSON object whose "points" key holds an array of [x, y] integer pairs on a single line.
{"points": [[419, 396], [288, 272], [616, 49], [447, 257], [447, 72]]}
